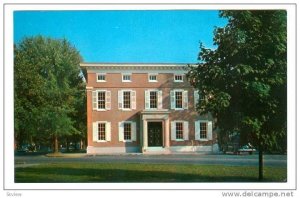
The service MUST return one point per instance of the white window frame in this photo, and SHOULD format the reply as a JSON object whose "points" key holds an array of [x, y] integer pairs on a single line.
{"points": [[150, 80], [121, 131], [126, 80], [185, 99], [176, 80], [208, 132], [107, 131], [159, 99], [132, 100], [185, 128], [100, 74], [107, 100]]}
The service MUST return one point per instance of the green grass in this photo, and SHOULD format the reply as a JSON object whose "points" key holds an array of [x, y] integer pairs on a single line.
{"points": [[123, 172]]}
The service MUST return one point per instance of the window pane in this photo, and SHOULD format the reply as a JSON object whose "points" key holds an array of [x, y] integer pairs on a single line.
{"points": [[203, 130], [178, 77], [101, 77], [179, 130], [152, 78], [126, 77], [101, 131], [127, 131], [178, 99], [126, 99], [153, 99], [101, 100]]}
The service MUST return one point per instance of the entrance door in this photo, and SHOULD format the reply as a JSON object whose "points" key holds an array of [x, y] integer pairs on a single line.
{"points": [[154, 134]]}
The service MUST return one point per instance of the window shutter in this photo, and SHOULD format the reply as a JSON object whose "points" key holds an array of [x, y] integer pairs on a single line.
{"points": [[95, 131], [196, 98], [186, 130], [185, 100], [197, 130], [172, 97], [120, 99], [108, 131], [159, 99], [147, 99], [133, 131], [107, 100], [209, 130], [133, 100], [94, 100], [173, 130], [121, 131]]}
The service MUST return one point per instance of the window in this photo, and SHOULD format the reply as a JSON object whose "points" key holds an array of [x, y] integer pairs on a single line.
{"points": [[127, 131], [101, 100], [153, 99], [178, 77], [101, 131], [101, 77], [179, 130], [152, 77], [203, 130], [126, 78], [126, 99], [179, 99]]}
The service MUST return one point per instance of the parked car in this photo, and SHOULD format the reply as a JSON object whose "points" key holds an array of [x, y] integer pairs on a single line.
{"points": [[248, 148]]}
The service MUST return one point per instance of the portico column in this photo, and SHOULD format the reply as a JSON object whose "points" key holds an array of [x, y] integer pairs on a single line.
{"points": [[167, 132], [145, 135]]}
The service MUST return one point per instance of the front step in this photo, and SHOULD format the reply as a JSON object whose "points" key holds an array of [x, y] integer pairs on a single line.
{"points": [[156, 150]]}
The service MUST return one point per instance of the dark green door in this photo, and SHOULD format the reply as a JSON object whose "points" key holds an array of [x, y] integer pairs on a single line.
{"points": [[154, 133]]}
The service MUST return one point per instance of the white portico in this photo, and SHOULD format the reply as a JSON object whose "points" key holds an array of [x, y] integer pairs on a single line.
{"points": [[155, 134]]}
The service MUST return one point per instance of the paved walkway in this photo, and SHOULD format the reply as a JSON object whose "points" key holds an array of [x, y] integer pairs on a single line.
{"points": [[227, 160]]}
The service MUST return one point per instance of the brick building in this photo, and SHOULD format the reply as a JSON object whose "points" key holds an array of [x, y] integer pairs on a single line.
{"points": [[148, 108]]}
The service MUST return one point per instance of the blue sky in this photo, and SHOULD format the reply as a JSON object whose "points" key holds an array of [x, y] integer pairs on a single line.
{"points": [[147, 36]]}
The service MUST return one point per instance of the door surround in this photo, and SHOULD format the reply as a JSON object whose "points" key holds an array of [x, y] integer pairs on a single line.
{"points": [[155, 116]]}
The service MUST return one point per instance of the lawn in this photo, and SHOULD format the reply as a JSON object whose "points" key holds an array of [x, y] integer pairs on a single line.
{"points": [[124, 172]]}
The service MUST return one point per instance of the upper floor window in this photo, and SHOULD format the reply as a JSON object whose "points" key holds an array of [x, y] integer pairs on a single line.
{"points": [[178, 77], [101, 77], [127, 131], [203, 130], [153, 99], [152, 77], [101, 100], [126, 78], [101, 131], [179, 99], [126, 99]]}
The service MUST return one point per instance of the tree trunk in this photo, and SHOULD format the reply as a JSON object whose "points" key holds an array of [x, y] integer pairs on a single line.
{"points": [[260, 164], [55, 144]]}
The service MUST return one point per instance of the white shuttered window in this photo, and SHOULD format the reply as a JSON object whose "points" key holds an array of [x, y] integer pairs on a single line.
{"points": [[203, 130], [101, 131], [101, 100]]}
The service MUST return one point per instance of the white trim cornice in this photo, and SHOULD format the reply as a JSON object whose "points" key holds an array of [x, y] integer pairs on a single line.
{"points": [[134, 67]]}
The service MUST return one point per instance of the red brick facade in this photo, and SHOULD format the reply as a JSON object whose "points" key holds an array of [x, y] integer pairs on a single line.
{"points": [[147, 130]]}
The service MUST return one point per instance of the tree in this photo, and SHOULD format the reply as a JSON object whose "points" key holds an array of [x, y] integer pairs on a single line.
{"points": [[243, 82], [48, 86]]}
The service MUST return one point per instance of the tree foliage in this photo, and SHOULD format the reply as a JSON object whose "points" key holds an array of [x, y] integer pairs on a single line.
{"points": [[48, 89], [243, 82]]}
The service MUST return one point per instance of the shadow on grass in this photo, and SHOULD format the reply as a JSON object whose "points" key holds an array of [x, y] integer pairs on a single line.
{"points": [[115, 175]]}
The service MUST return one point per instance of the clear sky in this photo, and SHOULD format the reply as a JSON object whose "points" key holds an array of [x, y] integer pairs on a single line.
{"points": [[147, 36]]}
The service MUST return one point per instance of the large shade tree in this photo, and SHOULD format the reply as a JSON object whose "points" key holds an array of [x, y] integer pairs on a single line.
{"points": [[243, 82], [48, 90]]}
